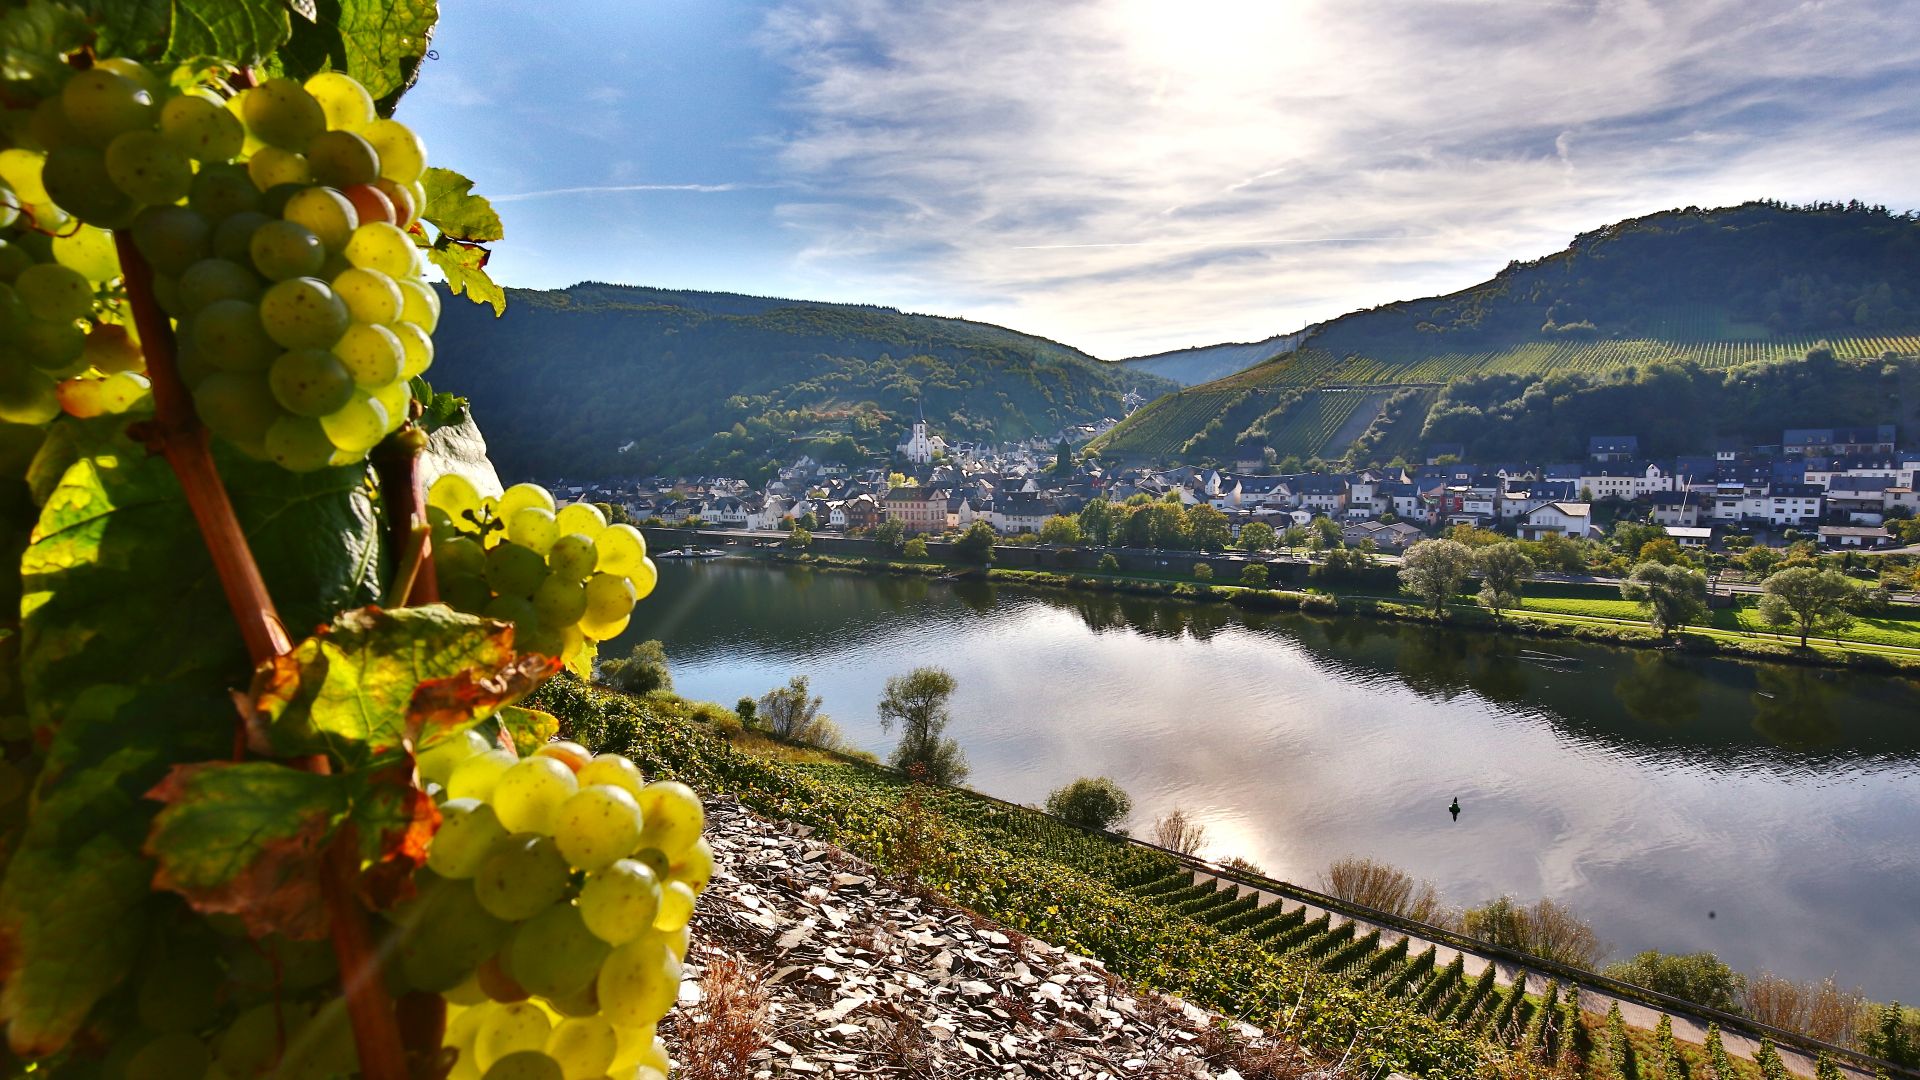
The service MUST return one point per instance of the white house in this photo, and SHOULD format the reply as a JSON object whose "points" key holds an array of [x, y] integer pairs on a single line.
{"points": [[1569, 519], [1016, 514], [1625, 483]]}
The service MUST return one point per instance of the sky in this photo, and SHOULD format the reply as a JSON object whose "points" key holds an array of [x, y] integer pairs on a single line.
{"points": [[1131, 176]]}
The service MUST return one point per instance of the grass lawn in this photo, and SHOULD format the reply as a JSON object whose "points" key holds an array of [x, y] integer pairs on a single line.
{"points": [[1593, 608], [1873, 631]]}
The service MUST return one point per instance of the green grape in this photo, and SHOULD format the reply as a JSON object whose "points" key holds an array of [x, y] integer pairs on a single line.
{"points": [[377, 245], [597, 826], [520, 495], [20, 170], [298, 444], [51, 346], [583, 518], [510, 1028], [403, 157], [514, 571], [210, 281], [467, 993], [673, 815], [469, 594], [171, 237], [620, 902], [583, 1047], [530, 635], [149, 167], [168, 1057], [281, 250], [166, 293], [357, 426], [251, 1044], [398, 399], [532, 527], [198, 123], [437, 762], [559, 602], [493, 980], [322, 1048], [88, 396], [553, 954], [134, 70], [13, 259], [636, 1048], [603, 631], [469, 830], [303, 313], [111, 350], [229, 334], [457, 495], [621, 548], [101, 105], [326, 212], [371, 353], [644, 579], [280, 112], [342, 159], [524, 1065], [14, 315], [460, 556], [529, 795], [639, 982], [416, 345], [76, 178], [524, 875], [311, 382], [609, 598], [676, 907], [572, 558], [422, 307], [370, 296], [271, 167], [220, 191], [347, 105], [233, 237], [694, 866], [89, 252], [570, 754], [237, 407], [474, 778], [443, 934], [612, 769], [54, 292]]}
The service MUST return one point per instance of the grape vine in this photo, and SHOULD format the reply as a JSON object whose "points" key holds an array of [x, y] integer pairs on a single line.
{"points": [[228, 852]]}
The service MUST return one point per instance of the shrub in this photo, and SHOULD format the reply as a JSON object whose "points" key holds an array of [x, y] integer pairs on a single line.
{"points": [[792, 712], [1253, 575], [1822, 1010], [1383, 887], [915, 548], [1108, 564], [1094, 803], [1547, 929], [1701, 978], [1203, 572], [1178, 832], [644, 671], [976, 544], [917, 701]]}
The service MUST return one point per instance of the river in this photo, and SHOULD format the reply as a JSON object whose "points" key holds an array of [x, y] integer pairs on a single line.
{"points": [[1769, 814]]}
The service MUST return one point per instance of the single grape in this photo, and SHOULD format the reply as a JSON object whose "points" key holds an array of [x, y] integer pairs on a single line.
{"points": [[347, 105], [520, 495], [171, 237], [303, 313], [273, 200], [55, 346], [515, 571], [149, 167], [281, 112], [422, 307], [342, 159], [583, 1047], [403, 157], [674, 817], [237, 407], [676, 907], [533, 528], [110, 349], [596, 826], [524, 875], [553, 954], [111, 394], [416, 346], [619, 903], [54, 292], [357, 426], [76, 178], [612, 769], [519, 612], [101, 105], [571, 754], [370, 296], [572, 558], [639, 982], [694, 866], [474, 778], [405, 207], [377, 245], [286, 249], [89, 252], [326, 212], [604, 631], [298, 444], [20, 170], [529, 795], [559, 601], [621, 548], [524, 1065], [371, 353], [398, 399], [369, 202], [460, 556], [636, 1049], [437, 762], [210, 281], [609, 597], [233, 236], [271, 167], [136, 71], [229, 334], [198, 123], [457, 495], [443, 934], [581, 517], [644, 579], [509, 1029], [220, 191], [494, 982]]}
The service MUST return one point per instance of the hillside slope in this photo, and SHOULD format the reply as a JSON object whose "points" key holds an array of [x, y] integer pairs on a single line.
{"points": [[1205, 363], [1689, 295], [718, 382]]}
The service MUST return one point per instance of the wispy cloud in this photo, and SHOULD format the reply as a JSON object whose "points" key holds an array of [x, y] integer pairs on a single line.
{"points": [[617, 189], [1132, 175]]}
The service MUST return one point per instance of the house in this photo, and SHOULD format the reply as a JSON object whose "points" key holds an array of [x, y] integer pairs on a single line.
{"points": [[1324, 494], [1602, 449], [918, 509], [1395, 537], [1854, 536], [1625, 482], [1017, 514], [1690, 537], [1861, 498], [1806, 442], [1676, 509], [862, 512], [1570, 519]]}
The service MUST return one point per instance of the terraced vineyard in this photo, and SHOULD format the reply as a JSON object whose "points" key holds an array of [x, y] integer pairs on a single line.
{"points": [[1162, 426], [1310, 428]]}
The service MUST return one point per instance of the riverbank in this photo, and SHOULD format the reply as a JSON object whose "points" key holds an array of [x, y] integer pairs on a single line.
{"points": [[1563, 622]]}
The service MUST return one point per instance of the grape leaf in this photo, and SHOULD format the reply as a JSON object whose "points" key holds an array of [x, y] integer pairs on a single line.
{"points": [[245, 839], [379, 42], [456, 211], [242, 30], [395, 819], [528, 728], [466, 271], [33, 36]]}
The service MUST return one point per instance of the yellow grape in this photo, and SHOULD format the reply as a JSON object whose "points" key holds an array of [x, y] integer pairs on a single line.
{"points": [[345, 103], [621, 549], [581, 517], [520, 495]]}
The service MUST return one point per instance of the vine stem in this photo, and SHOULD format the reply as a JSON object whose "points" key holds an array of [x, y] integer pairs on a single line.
{"points": [[177, 433]]}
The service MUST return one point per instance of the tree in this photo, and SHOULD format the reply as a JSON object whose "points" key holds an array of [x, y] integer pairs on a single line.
{"points": [[1759, 561], [1090, 802], [915, 548], [1157, 525], [1207, 528], [1325, 534], [1547, 929], [917, 701], [890, 535], [1060, 529], [792, 712], [799, 539], [1435, 570], [1257, 536], [1670, 596], [1629, 537], [1254, 575], [1808, 599], [807, 521], [1661, 550], [1176, 831], [976, 544], [643, 671], [1096, 522], [1108, 564], [1701, 978], [1203, 572], [745, 709], [1504, 570], [1063, 459]]}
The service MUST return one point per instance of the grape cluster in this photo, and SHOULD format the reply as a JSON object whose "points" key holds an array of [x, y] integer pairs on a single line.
{"points": [[560, 574], [275, 220], [553, 911]]}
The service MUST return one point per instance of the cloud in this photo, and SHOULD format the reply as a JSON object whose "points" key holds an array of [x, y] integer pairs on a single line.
{"points": [[617, 189], [1131, 175]]}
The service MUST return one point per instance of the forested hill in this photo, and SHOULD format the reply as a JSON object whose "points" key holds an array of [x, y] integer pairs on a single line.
{"points": [[1687, 293], [1205, 363], [701, 382]]}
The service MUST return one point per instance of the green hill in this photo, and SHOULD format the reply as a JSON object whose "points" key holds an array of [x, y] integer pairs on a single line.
{"points": [[1712, 300], [612, 380], [1205, 363]]}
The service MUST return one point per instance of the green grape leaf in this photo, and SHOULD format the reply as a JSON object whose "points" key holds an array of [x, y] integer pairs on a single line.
{"points": [[456, 211], [245, 839], [364, 687], [33, 38], [528, 728], [466, 271], [242, 29], [379, 42]]}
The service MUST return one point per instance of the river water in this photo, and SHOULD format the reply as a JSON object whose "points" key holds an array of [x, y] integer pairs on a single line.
{"points": [[1769, 814]]}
